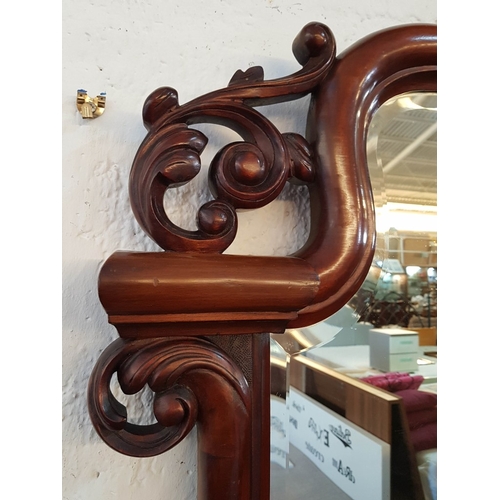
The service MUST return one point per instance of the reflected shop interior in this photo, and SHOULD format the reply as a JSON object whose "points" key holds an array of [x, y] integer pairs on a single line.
{"points": [[354, 398]]}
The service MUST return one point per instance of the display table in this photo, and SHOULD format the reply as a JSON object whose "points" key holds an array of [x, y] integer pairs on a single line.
{"points": [[355, 362]]}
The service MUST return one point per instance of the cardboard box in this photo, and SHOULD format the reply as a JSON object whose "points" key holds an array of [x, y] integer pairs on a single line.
{"points": [[393, 349]]}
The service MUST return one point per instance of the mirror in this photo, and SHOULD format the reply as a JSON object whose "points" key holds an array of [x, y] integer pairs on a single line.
{"points": [[399, 294]]}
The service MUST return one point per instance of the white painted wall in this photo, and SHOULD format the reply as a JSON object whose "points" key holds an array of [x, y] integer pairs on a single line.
{"points": [[128, 48]]}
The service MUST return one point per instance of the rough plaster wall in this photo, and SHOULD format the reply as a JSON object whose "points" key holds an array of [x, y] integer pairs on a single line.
{"points": [[128, 48]]}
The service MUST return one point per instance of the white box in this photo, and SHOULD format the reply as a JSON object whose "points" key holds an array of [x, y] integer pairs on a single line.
{"points": [[393, 349]]}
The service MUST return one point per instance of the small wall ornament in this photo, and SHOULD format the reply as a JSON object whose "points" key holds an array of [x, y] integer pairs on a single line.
{"points": [[90, 107]]}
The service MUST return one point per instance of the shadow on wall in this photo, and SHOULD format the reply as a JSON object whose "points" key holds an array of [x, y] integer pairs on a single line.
{"points": [[86, 333]]}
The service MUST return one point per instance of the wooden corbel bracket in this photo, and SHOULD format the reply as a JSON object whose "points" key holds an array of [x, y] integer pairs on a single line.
{"points": [[194, 322]]}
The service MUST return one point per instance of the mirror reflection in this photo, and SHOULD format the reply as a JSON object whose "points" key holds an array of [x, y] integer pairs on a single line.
{"points": [[354, 398]]}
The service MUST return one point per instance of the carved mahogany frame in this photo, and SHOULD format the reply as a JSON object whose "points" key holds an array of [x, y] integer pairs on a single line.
{"points": [[194, 323]]}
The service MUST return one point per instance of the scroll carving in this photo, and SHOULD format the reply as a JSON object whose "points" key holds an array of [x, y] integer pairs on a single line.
{"points": [[331, 159], [242, 175], [163, 302], [194, 383]]}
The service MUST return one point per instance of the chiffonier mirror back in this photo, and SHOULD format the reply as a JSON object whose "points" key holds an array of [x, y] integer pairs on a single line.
{"points": [[194, 322]]}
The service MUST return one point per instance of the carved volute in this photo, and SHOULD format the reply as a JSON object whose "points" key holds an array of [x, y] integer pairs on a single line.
{"points": [[194, 322]]}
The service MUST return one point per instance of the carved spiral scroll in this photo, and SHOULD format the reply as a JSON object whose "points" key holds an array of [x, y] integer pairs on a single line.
{"points": [[246, 174], [193, 381]]}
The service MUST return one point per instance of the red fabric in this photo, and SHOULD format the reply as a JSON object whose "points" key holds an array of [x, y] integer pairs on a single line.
{"points": [[414, 400], [424, 437], [420, 418], [395, 381], [420, 406]]}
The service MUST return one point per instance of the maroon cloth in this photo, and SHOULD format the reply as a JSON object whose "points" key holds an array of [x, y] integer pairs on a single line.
{"points": [[395, 381], [420, 418], [420, 406], [414, 400], [424, 438]]}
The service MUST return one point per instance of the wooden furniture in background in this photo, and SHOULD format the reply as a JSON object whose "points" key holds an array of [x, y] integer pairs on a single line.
{"points": [[378, 412], [194, 323], [426, 335]]}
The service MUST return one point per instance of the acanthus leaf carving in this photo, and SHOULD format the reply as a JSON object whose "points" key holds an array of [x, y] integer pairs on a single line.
{"points": [[251, 75], [159, 102], [149, 296], [194, 382], [302, 166], [242, 175]]}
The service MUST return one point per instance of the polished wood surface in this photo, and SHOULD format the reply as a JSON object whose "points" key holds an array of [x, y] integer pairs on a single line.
{"points": [[194, 383], [160, 294], [246, 174], [195, 322], [342, 239]]}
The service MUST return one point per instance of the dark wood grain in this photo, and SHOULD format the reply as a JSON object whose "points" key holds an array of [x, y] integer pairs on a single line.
{"points": [[163, 303], [245, 174], [342, 238], [172, 293], [194, 383]]}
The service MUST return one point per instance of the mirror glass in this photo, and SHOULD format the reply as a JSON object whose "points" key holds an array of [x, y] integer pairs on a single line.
{"points": [[398, 300]]}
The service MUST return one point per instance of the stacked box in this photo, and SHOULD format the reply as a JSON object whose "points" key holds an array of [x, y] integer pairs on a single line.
{"points": [[393, 349]]}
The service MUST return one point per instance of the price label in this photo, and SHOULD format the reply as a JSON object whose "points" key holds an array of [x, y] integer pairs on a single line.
{"points": [[355, 460]]}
